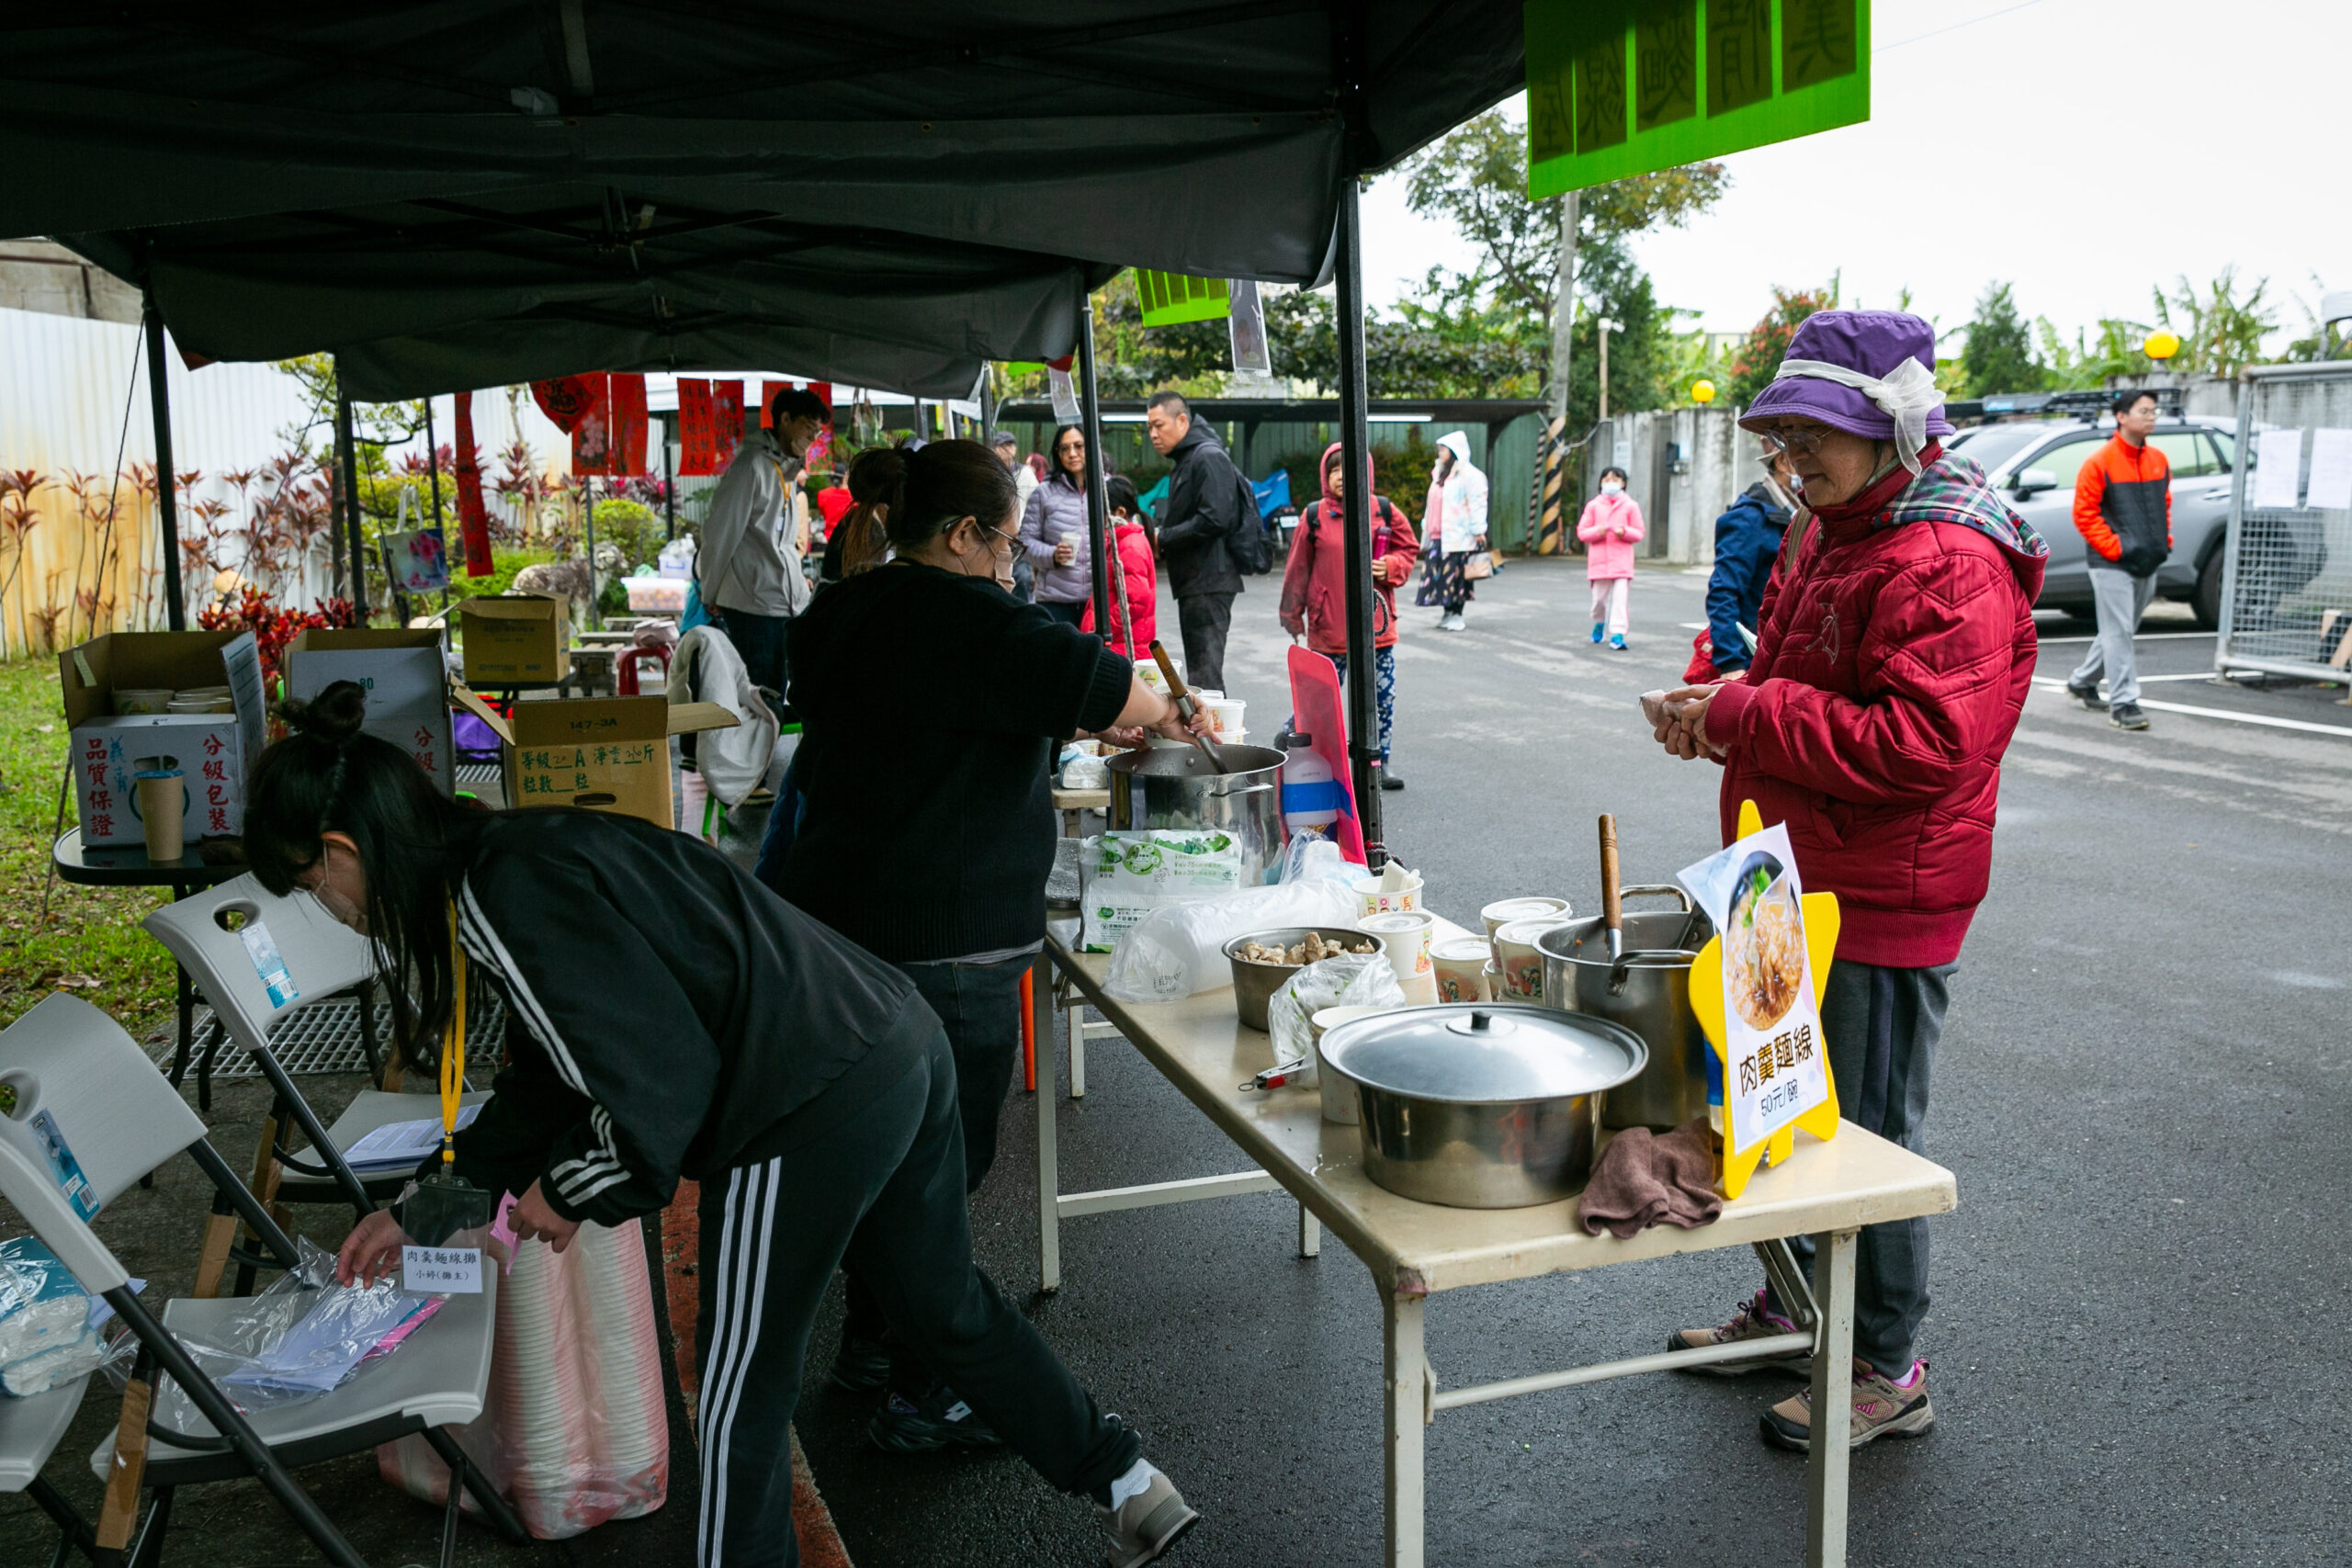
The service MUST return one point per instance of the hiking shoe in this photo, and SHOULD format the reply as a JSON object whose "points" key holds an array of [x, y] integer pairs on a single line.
{"points": [[1597, 633], [861, 1366], [1753, 1321], [1882, 1408], [1146, 1523], [937, 1420], [2087, 694], [2127, 716]]}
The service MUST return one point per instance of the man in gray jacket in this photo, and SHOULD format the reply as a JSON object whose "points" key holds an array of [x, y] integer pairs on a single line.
{"points": [[1201, 512], [749, 565]]}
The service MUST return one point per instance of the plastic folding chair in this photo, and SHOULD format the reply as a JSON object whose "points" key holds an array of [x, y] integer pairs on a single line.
{"points": [[72, 1065], [321, 959]]}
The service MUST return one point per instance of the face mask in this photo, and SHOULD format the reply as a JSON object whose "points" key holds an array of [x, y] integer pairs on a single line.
{"points": [[1781, 495], [1610, 487], [343, 910]]}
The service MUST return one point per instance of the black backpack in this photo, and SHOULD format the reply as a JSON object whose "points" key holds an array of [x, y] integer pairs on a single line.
{"points": [[1251, 541]]}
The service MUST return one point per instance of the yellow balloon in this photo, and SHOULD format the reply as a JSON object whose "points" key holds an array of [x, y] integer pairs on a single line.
{"points": [[2161, 346], [1703, 392]]}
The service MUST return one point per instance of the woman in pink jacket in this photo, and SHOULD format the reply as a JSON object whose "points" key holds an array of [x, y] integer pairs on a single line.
{"points": [[1610, 527]]}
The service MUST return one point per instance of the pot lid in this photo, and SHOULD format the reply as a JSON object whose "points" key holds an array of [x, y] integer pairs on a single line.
{"points": [[1481, 1053]]}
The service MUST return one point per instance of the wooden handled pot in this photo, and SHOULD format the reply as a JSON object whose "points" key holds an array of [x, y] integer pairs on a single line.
{"points": [[1186, 704]]}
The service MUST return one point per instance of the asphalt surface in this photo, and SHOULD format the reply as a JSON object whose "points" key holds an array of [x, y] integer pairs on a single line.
{"points": [[2137, 1304]]}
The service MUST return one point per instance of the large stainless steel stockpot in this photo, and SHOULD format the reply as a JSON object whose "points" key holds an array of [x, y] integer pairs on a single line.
{"points": [[1647, 991], [1175, 788]]}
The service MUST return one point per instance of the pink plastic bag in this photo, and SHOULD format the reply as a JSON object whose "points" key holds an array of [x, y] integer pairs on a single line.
{"points": [[573, 1432]]}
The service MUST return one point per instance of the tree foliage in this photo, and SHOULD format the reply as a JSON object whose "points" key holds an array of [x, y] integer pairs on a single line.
{"points": [[1998, 357], [1755, 362]]}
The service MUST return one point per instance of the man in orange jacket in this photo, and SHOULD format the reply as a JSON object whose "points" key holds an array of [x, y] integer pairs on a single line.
{"points": [[2123, 510]]}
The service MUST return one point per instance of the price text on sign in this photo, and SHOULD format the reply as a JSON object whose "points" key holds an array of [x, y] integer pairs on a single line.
{"points": [[441, 1270], [1622, 87]]}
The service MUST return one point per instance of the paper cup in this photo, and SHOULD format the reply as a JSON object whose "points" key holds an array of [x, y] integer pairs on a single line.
{"points": [[163, 806], [1502, 911], [1224, 716], [1520, 960], [1459, 964], [1406, 935], [1371, 899], [1340, 1102]]}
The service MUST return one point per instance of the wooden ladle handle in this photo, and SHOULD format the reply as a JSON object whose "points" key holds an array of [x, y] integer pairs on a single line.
{"points": [[1612, 903]]}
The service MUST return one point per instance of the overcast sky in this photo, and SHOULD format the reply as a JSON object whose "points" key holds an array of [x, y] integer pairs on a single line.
{"points": [[2084, 150]]}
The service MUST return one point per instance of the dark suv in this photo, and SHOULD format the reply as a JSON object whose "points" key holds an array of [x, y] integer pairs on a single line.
{"points": [[2033, 463]]}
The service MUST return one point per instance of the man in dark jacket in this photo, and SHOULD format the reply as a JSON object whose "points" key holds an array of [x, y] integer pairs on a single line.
{"points": [[1747, 540], [1201, 512], [2123, 510]]}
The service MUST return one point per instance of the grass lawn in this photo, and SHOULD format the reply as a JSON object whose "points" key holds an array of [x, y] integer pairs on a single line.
{"points": [[90, 943]]}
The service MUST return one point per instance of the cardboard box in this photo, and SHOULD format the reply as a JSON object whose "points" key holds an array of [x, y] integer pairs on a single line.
{"points": [[522, 639], [216, 750], [406, 678], [604, 753]]}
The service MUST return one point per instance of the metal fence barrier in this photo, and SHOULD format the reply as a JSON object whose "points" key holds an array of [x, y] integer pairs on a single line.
{"points": [[2287, 569]]}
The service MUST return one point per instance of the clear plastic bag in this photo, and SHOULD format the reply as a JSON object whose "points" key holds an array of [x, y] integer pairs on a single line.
{"points": [[1352, 979], [305, 1335], [1180, 949], [1309, 855]]}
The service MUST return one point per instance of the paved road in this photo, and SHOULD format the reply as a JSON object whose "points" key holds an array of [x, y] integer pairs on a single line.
{"points": [[2137, 1319]]}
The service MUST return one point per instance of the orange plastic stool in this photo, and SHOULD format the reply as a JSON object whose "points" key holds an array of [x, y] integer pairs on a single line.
{"points": [[1029, 1027]]}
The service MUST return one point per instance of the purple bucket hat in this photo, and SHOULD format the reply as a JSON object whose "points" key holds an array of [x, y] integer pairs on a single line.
{"points": [[1872, 341]]}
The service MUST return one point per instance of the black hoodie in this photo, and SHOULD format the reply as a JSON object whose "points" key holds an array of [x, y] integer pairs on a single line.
{"points": [[1202, 511]]}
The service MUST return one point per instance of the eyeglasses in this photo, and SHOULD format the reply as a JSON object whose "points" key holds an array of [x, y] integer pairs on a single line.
{"points": [[1796, 440]]}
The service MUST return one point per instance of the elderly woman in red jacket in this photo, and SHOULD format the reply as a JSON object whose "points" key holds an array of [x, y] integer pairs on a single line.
{"points": [[1895, 647], [1314, 588]]}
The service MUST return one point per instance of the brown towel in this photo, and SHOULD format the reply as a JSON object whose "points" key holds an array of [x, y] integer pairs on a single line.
{"points": [[1643, 1180]]}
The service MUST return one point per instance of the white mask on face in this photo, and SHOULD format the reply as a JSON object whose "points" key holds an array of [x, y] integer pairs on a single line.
{"points": [[343, 910], [1612, 487]]}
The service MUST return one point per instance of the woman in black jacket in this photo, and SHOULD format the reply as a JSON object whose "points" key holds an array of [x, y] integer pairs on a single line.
{"points": [[932, 702], [672, 1018]]}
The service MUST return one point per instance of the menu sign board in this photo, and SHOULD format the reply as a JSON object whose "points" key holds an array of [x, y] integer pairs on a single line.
{"points": [[1775, 1059]]}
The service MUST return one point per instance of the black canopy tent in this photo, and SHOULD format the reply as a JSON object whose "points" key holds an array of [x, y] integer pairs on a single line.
{"points": [[1218, 140]]}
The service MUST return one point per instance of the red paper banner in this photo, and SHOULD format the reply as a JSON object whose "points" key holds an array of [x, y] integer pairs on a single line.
{"points": [[697, 440], [625, 404], [820, 450], [768, 389], [565, 399], [591, 429], [726, 423], [473, 517]]}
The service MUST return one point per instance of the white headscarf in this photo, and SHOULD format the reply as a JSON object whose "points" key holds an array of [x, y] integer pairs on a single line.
{"points": [[1904, 396]]}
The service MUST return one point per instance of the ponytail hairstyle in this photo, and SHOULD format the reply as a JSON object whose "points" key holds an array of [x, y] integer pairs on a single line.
{"points": [[945, 483], [330, 775], [874, 479]]}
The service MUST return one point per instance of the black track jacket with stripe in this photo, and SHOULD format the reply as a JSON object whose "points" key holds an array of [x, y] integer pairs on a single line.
{"points": [[667, 1015]]}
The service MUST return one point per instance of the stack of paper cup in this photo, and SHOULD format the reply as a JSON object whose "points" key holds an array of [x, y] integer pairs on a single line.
{"points": [[163, 811], [1404, 935], [1394, 889], [1459, 964]]}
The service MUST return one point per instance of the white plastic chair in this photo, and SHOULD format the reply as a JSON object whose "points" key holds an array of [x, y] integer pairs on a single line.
{"points": [[323, 960], [121, 1119]]}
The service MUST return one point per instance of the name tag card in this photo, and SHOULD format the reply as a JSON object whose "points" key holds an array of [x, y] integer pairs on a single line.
{"points": [[441, 1270]]}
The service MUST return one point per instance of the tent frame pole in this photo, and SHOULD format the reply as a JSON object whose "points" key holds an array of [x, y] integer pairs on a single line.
{"points": [[167, 510], [669, 485], [346, 457], [1098, 497], [1355, 436]]}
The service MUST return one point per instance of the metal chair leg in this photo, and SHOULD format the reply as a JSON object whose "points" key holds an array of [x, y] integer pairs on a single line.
{"points": [[464, 1476], [74, 1532]]}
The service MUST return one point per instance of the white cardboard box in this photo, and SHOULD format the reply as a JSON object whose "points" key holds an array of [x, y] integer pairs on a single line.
{"points": [[407, 685]]}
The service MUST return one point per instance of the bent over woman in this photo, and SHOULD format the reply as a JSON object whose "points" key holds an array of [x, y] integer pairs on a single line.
{"points": [[680, 1020]]}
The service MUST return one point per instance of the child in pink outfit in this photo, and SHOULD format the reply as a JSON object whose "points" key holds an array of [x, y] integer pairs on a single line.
{"points": [[1610, 527]]}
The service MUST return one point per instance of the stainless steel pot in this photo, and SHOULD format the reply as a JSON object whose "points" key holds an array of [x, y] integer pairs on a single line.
{"points": [[1480, 1106], [1254, 983], [1174, 786], [1647, 992]]}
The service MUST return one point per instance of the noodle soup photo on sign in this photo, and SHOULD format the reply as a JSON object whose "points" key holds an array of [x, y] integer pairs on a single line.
{"points": [[1754, 896]]}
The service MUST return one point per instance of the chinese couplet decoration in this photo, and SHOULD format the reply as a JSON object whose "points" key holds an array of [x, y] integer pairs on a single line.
{"points": [[473, 518]]}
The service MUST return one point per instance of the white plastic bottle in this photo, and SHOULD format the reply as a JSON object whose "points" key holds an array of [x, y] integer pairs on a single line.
{"points": [[1310, 795]]}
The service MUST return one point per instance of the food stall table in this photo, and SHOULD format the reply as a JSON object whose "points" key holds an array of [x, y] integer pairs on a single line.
{"points": [[1828, 1191], [1071, 802]]}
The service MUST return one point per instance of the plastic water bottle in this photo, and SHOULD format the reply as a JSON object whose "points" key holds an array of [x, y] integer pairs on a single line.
{"points": [[1310, 795]]}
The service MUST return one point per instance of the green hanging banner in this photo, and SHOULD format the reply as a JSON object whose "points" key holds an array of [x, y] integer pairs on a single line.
{"points": [[1170, 298], [1622, 87]]}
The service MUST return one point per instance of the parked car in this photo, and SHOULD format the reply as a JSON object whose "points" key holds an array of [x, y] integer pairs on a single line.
{"points": [[2034, 463]]}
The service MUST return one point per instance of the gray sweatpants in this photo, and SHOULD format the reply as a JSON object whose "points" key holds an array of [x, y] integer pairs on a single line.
{"points": [[1882, 1026], [2120, 600]]}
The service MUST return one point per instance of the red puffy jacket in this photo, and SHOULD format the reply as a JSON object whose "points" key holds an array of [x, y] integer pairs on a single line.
{"points": [[1135, 592], [1314, 577], [1896, 650]]}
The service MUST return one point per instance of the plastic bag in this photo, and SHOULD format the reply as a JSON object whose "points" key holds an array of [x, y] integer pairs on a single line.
{"points": [[1309, 855], [1352, 979], [1180, 950], [574, 1431], [1126, 878], [303, 1337]]}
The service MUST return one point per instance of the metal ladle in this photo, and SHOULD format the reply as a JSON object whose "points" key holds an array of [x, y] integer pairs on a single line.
{"points": [[1187, 704]]}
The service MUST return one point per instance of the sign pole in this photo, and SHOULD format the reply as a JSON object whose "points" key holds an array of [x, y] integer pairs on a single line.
{"points": [[167, 512], [1355, 443]]}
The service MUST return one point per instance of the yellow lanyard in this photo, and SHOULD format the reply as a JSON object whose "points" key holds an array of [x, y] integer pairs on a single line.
{"points": [[453, 1050]]}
